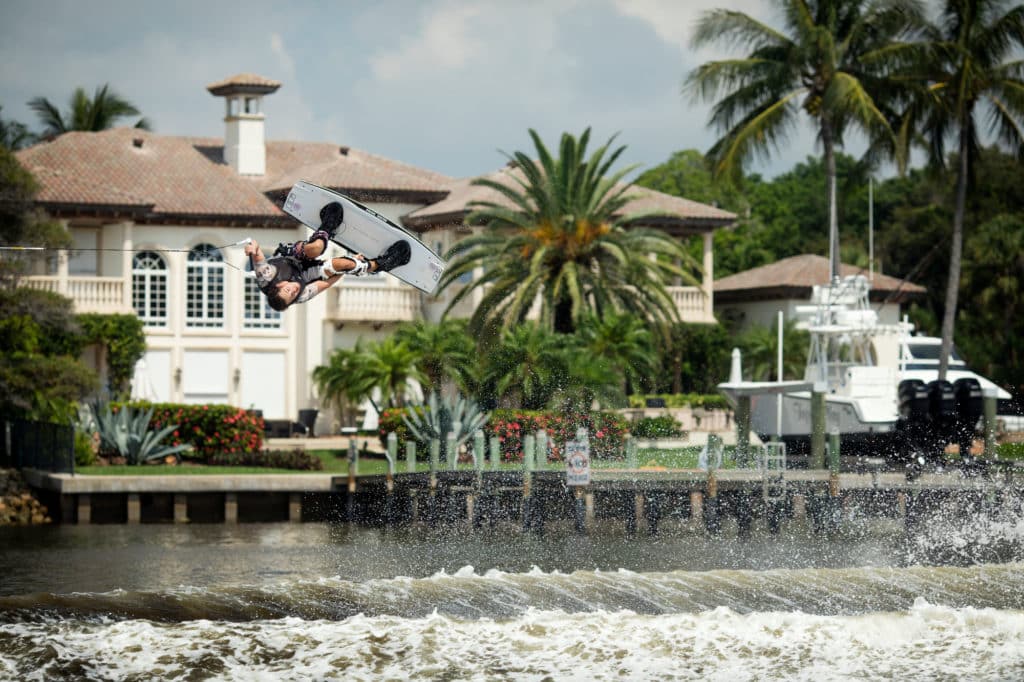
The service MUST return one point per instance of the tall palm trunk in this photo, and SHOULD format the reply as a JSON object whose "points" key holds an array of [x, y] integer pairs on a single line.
{"points": [[955, 253], [828, 142], [563, 317]]}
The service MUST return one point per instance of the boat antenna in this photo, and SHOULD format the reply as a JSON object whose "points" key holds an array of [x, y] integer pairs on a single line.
{"points": [[871, 229]]}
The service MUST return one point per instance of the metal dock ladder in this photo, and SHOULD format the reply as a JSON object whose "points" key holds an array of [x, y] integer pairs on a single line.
{"points": [[773, 468]]}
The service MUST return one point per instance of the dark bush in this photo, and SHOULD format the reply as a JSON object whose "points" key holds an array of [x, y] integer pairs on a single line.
{"points": [[663, 426], [299, 460]]}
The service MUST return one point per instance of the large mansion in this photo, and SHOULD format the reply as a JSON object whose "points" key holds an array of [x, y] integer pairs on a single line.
{"points": [[154, 218]]}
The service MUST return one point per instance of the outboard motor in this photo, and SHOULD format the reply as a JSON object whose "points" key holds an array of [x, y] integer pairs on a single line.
{"points": [[969, 408], [942, 409], [915, 420]]}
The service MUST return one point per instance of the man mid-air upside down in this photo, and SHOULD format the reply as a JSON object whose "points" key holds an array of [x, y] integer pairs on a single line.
{"points": [[295, 273]]}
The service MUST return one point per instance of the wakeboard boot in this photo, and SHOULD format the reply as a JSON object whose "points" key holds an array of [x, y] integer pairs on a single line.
{"points": [[394, 256]]}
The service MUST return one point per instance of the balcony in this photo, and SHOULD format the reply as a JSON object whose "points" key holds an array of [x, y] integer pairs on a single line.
{"points": [[693, 304], [357, 302], [89, 294]]}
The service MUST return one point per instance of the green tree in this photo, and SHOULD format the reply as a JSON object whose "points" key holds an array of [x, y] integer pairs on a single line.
{"points": [[526, 368], [444, 353], [14, 135], [620, 346], [342, 382], [695, 359], [557, 233], [21, 224], [830, 62], [390, 366], [968, 74], [993, 323], [686, 175], [101, 111], [760, 348]]}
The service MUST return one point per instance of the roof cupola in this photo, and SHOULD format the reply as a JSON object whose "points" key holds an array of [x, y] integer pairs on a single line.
{"points": [[244, 137]]}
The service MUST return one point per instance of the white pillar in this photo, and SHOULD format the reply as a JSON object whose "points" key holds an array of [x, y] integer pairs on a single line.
{"points": [[709, 275], [62, 272], [126, 265]]}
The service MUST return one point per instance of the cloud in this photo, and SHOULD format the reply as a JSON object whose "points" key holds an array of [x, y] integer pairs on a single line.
{"points": [[446, 42]]}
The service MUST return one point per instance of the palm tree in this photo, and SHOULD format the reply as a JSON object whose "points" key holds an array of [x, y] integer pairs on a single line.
{"points": [[620, 346], [556, 232], [390, 366], [526, 367], [14, 135], [342, 381], [444, 352], [760, 344], [830, 62], [100, 112], [965, 77]]}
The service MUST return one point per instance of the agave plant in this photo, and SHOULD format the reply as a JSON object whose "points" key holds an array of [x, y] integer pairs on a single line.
{"points": [[439, 417], [127, 432]]}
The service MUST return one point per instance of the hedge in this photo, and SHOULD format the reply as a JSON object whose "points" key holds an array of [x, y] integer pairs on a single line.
{"points": [[209, 429], [708, 401], [272, 459], [607, 431]]}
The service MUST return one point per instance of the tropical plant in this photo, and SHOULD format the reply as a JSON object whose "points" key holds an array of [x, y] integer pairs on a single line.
{"points": [[832, 62], [970, 71], [760, 347], [341, 382], [390, 366], [438, 418], [526, 368], [100, 112], [126, 433], [620, 345], [444, 352], [556, 235], [14, 135]]}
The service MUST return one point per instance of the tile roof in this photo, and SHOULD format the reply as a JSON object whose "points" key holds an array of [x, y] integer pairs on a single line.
{"points": [[243, 82], [681, 216], [794, 276], [180, 177]]}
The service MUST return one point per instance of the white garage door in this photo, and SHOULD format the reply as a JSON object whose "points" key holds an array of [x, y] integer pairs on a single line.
{"points": [[158, 367], [263, 383], [205, 376]]}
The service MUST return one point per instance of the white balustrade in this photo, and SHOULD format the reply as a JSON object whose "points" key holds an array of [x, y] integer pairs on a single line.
{"points": [[376, 303], [692, 303], [88, 294]]}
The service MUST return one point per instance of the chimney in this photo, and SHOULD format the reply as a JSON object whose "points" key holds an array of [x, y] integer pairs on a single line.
{"points": [[245, 148]]}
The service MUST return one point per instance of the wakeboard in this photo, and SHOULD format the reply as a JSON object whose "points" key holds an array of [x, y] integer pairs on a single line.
{"points": [[363, 230]]}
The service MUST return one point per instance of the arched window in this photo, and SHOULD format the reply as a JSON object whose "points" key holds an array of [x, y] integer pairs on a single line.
{"points": [[204, 287], [149, 288]]}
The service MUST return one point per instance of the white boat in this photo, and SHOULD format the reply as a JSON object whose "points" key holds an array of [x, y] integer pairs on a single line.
{"points": [[881, 383]]}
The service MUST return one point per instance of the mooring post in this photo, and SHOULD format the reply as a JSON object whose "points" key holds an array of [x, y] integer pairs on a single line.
{"points": [[631, 453], [989, 407], [473, 510], [835, 510], [712, 522], [541, 452], [452, 452], [353, 471], [529, 443], [435, 455], [579, 511], [410, 456], [818, 426], [495, 452], [743, 458], [389, 477]]}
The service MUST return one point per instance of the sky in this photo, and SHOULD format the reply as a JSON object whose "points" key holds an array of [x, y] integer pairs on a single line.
{"points": [[446, 85]]}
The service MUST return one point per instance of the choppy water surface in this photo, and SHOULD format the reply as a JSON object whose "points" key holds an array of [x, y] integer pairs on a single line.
{"points": [[316, 601]]}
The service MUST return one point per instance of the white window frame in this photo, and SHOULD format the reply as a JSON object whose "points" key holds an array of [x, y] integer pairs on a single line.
{"points": [[149, 278], [205, 287]]}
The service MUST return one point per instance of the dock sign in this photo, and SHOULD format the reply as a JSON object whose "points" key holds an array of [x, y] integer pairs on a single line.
{"points": [[577, 462]]}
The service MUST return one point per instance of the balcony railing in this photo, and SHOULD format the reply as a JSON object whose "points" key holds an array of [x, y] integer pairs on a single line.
{"points": [[88, 293], [692, 303], [376, 303]]}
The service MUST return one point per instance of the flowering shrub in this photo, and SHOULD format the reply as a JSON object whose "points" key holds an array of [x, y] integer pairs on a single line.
{"points": [[209, 429], [272, 459], [663, 426]]}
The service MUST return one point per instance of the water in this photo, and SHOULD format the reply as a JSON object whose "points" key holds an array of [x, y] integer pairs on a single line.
{"points": [[315, 601]]}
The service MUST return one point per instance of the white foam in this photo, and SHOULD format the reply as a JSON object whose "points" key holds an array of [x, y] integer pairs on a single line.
{"points": [[923, 642]]}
